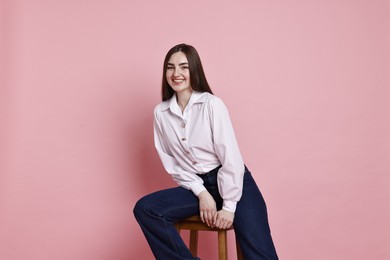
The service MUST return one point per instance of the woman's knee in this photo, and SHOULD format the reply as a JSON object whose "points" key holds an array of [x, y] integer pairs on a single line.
{"points": [[141, 207]]}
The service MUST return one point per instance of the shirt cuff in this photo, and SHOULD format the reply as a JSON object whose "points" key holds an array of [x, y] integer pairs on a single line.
{"points": [[229, 205], [197, 188]]}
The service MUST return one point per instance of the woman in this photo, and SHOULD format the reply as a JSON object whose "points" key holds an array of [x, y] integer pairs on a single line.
{"points": [[195, 140]]}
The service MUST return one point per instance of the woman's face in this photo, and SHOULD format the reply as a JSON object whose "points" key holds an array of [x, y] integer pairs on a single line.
{"points": [[178, 73]]}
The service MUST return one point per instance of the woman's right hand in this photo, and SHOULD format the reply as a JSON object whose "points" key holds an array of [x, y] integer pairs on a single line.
{"points": [[207, 208]]}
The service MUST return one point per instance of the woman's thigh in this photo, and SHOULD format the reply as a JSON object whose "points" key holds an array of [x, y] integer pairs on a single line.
{"points": [[251, 216], [172, 204]]}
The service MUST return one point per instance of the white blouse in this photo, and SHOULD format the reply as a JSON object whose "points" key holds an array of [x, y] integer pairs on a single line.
{"points": [[197, 141]]}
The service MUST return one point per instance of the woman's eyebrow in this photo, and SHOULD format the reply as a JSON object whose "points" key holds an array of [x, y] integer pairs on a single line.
{"points": [[180, 64]]}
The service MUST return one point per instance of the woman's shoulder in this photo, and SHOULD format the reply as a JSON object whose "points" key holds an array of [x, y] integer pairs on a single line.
{"points": [[209, 98], [214, 101], [161, 106]]}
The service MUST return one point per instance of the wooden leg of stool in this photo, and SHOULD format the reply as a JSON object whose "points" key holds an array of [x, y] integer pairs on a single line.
{"points": [[222, 245], [194, 242]]}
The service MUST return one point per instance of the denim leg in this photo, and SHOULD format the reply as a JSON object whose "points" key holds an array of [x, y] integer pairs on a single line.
{"points": [[156, 213], [251, 223]]}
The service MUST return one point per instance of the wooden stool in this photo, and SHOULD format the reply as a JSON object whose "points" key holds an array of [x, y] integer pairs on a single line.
{"points": [[194, 224]]}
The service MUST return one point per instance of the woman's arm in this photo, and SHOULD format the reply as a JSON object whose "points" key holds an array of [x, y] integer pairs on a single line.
{"points": [[231, 174]]}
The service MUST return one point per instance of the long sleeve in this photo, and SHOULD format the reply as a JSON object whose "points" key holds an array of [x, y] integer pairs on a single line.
{"points": [[183, 178], [230, 175]]}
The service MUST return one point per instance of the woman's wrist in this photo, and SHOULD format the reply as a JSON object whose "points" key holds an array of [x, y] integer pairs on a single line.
{"points": [[229, 205], [197, 188]]}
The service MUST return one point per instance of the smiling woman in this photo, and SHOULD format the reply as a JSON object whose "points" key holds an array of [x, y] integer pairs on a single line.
{"points": [[195, 140], [178, 75]]}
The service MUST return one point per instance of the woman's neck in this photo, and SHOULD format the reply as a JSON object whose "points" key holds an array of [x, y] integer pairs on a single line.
{"points": [[183, 98]]}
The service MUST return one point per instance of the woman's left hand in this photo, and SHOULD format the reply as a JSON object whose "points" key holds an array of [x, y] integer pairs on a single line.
{"points": [[223, 219]]}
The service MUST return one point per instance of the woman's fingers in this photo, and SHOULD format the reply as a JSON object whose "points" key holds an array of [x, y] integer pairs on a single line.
{"points": [[223, 224], [214, 222], [207, 207], [220, 219], [207, 216], [224, 219]]}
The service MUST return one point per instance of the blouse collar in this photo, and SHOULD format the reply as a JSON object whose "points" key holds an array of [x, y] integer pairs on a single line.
{"points": [[196, 97]]}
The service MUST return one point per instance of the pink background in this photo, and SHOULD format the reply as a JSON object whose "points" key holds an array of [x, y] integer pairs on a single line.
{"points": [[307, 84]]}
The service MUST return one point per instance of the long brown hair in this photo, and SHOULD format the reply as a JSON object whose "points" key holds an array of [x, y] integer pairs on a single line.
{"points": [[198, 79]]}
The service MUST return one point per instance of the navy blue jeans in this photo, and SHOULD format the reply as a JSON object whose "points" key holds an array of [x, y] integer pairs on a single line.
{"points": [[156, 213]]}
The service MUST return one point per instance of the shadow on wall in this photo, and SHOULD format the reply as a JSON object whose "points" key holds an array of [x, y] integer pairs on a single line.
{"points": [[147, 170], [146, 173]]}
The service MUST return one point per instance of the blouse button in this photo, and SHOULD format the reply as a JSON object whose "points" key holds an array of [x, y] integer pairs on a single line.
{"points": [[183, 125], [183, 139]]}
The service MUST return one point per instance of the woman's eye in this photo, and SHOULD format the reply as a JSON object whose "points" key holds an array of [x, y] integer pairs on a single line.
{"points": [[170, 68], [185, 67]]}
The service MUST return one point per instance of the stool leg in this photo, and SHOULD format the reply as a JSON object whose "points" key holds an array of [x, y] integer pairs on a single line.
{"points": [[222, 245], [194, 242]]}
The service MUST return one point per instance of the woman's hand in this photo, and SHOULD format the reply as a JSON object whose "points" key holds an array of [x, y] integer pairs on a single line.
{"points": [[223, 219], [207, 207]]}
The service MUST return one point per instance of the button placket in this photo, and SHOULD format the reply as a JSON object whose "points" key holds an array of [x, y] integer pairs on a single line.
{"points": [[183, 138], [183, 124], [183, 130]]}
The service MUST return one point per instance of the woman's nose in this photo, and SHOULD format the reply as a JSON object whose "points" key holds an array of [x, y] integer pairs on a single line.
{"points": [[176, 72]]}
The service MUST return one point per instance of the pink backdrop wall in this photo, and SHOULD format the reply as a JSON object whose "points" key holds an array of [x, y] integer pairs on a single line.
{"points": [[308, 88]]}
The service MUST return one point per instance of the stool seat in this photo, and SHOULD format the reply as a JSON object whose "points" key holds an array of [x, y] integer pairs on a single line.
{"points": [[195, 224]]}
